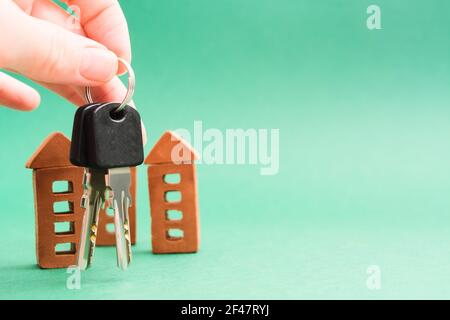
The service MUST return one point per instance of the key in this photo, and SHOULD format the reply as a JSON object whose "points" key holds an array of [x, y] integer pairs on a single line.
{"points": [[107, 144], [119, 180], [93, 187], [92, 201]]}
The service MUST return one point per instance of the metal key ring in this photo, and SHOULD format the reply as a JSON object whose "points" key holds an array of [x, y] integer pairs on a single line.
{"points": [[130, 92]]}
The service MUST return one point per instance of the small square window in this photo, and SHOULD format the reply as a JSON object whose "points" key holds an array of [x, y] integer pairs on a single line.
{"points": [[65, 248], [63, 207], [174, 215], [172, 196], [109, 211], [172, 178], [62, 187], [110, 228], [66, 227], [175, 234]]}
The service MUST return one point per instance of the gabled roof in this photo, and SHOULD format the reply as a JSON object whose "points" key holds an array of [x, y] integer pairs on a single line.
{"points": [[171, 148], [53, 152]]}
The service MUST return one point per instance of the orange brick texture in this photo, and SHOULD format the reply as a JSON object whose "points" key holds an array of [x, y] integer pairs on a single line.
{"points": [[50, 163], [46, 236], [162, 241], [179, 233]]}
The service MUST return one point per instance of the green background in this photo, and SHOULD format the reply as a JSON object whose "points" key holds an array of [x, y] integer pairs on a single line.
{"points": [[364, 177]]}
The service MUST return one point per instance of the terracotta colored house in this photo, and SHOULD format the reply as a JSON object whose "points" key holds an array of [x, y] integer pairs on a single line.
{"points": [[172, 184], [58, 189]]}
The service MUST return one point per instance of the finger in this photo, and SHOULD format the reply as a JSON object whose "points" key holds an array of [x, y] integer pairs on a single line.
{"points": [[17, 95], [25, 5], [104, 21], [110, 92], [113, 91], [50, 11], [45, 52], [69, 93]]}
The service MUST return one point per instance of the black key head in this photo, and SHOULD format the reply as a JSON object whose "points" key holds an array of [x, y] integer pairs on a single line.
{"points": [[77, 152], [107, 138]]}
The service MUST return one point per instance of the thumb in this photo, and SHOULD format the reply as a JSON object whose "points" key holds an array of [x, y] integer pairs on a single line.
{"points": [[46, 52]]}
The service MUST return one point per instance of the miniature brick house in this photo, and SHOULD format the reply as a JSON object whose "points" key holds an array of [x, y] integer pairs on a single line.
{"points": [[50, 163], [58, 190], [172, 184]]}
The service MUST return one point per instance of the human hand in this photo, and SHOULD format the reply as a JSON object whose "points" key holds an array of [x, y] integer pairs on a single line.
{"points": [[44, 43]]}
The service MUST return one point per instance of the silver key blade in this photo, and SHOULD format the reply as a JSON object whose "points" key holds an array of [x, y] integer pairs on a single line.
{"points": [[93, 199], [119, 180]]}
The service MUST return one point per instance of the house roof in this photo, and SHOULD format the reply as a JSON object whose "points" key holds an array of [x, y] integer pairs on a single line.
{"points": [[53, 152], [171, 148]]}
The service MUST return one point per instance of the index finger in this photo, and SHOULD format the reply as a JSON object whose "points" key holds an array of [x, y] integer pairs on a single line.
{"points": [[104, 22]]}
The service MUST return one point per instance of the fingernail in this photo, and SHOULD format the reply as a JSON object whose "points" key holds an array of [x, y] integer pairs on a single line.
{"points": [[98, 64]]}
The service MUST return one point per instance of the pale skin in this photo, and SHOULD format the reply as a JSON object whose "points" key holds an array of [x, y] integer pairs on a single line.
{"points": [[42, 42]]}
